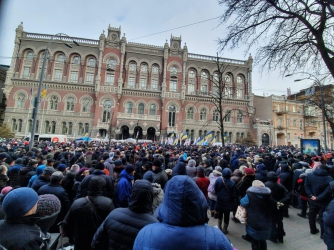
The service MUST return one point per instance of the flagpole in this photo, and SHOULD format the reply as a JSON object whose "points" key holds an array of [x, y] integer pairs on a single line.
{"points": [[42, 120]]}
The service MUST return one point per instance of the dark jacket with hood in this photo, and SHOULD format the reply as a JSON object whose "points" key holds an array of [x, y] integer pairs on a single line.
{"points": [[68, 182], [13, 175], [180, 167], [285, 177], [244, 184], [82, 220], [160, 177], [123, 190], [225, 191], [25, 174], [120, 228], [109, 165], [261, 173], [39, 182], [234, 162], [316, 184], [183, 216]]}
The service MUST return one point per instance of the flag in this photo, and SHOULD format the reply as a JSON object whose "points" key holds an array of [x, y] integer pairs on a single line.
{"points": [[97, 134], [209, 135], [213, 140], [137, 134], [176, 140], [224, 136], [184, 136], [44, 91], [200, 141], [181, 134], [172, 134], [86, 134]]}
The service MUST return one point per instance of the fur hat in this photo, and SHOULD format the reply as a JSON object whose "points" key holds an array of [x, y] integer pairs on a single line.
{"points": [[19, 202], [257, 183]]}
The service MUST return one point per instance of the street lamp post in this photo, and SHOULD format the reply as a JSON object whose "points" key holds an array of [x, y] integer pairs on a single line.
{"points": [[318, 82], [39, 90]]}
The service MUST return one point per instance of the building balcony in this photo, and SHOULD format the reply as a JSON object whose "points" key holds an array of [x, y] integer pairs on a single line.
{"points": [[139, 117], [280, 127], [280, 112], [311, 127], [309, 115]]}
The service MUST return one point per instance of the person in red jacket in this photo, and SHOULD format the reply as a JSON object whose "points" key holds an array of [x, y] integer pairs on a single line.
{"points": [[202, 181], [302, 193]]}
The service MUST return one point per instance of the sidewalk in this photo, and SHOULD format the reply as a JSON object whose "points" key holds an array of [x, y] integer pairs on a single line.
{"points": [[297, 234]]}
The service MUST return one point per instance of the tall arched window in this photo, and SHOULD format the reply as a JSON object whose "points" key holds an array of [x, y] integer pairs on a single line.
{"points": [[228, 116], [215, 115], [240, 117], [20, 101], [190, 113], [76, 60], [60, 58], [228, 78], [54, 102], [19, 128], [81, 129], [64, 128], [106, 111], [86, 127], [143, 68], [14, 125], [202, 114], [204, 75], [129, 107], [53, 127], [29, 55], [173, 72], [171, 115], [112, 62], [86, 104], [153, 109], [141, 109], [133, 66], [47, 127], [91, 62], [155, 69], [70, 128], [70, 104], [191, 74]]}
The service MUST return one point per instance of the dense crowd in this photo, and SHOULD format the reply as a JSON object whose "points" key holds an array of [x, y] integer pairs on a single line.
{"points": [[156, 196]]}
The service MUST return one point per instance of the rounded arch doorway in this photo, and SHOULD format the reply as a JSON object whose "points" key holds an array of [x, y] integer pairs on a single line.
{"points": [[265, 139], [138, 133], [125, 132], [151, 133]]}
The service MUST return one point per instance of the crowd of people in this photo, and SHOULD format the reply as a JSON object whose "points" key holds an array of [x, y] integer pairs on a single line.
{"points": [[155, 196]]}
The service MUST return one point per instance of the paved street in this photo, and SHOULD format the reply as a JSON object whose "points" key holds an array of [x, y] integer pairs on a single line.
{"points": [[297, 235]]}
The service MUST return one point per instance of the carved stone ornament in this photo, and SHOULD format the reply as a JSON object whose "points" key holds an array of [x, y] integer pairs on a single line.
{"points": [[175, 45]]}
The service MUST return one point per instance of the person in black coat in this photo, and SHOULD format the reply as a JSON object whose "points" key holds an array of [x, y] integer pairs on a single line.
{"points": [[316, 187], [43, 179], [280, 195], [180, 167], [245, 182], [261, 173], [328, 218], [108, 190], [86, 214], [68, 181], [160, 175], [120, 228], [286, 181], [56, 189], [26, 173]]}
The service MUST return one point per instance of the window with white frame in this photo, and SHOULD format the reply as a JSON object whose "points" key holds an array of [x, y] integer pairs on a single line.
{"points": [[111, 64], [155, 69], [133, 66], [204, 75], [131, 83], [190, 113], [89, 78], [86, 104], [54, 102], [287, 108], [153, 109], [215, 115], [204, 89], [91, 62], [29, 55], [58, 75], [202, 114], [143, 83], [70, 104], [76, 60], [173, 72], [239, 93], [14, 125], [106, 111], [228, 78], [228, 116], [110, 78], [60, 58], [26, 72], [173, 86], [240, 79], [191, 74], [20, 100], [74, 76], [141, 109], [293, 108], [240, 117], [228, 92], [191, 89], [295, 123], [143, 68], [154, 84], [129, 107]]}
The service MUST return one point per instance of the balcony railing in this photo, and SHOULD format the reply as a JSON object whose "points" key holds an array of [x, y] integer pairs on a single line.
{"points": [[280, 112], [280, 127]]}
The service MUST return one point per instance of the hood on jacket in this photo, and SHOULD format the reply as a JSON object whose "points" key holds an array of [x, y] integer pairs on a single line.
{"points": [[126, 175], [260, 167], [96, 185], [227, 173], [284, 167], [183, 204], [237, 173], [156, 188], [217, 173], [272, 176], [320, 171], [40, 169], [181, 159], [141, 197]]}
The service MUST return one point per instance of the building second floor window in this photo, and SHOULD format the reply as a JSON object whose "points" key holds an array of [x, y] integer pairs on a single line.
{"points": [[20, 100], [26, 72], [60, 58], [89, 78], [190, 113], [74, 76], [191, 89], [54, 102], [86, 104], [204, 90], [143, 68], [30, 55], [110, 79], [131, 83], [153, 109], [202, 114], [58, 75], [154, 85], [143, 83], [129, 107], [91, 62], [70, 104], [141, 109], [191, 74], [133, 67], [155, 70], [215, 115], [76, 60], [172, 86]]}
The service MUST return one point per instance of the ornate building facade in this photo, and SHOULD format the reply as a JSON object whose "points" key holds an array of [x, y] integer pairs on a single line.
{"points": [[113, 86]]}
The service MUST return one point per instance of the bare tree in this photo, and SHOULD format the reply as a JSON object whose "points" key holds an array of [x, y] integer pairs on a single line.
{"points": [[288, 34]]}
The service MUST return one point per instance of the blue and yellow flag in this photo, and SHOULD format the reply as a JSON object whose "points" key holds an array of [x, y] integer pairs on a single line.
{"points": [[181, 133], [200, 141], [214, 140], [184, 136], [176, 140], [209, 135], [44, 92], [172, 134]]}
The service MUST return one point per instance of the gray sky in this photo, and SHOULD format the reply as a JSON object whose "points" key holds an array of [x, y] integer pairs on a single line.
{"points": [[87, 19]]}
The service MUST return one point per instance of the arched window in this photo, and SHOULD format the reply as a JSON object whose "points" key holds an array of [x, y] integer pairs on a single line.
{"points": [[216, 77], [240, 79], [228, 78], [91, 62], [37, 126], [14, 125], [155, 69], [29, 125], [133, 66], [173, 72], [86, 127], [190, 113], [228, 116], [54, 102], [53, 127], [81, 129], [60, 58], [76, 60], [70, 128], [215, 115], [29, 55], [64, 128], [240, 117], [218, 136], [106, 111], [111, 65], [86, 104], [153, 109], [200, 133], [143, 68], [192, 134], [129, 107], [70, 104], [19, 128], [171, 116], [141, 109], [202, 114], [204, 75], [191, 74], [47, 127], [20, 101]]}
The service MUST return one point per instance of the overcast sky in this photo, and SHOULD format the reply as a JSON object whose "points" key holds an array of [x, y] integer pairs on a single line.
{"points": [[137, 18]]}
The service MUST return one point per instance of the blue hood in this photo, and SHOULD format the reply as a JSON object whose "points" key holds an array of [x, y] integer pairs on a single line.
{"points": [[183, 204], [126, 175]]}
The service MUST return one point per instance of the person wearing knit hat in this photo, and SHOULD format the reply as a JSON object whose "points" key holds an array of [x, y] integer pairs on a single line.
{"points": [[257, 201], [124, 187], [261, 172], [55, 188], [160, 176], [43, 179], [18, 229], [61, 168]]}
